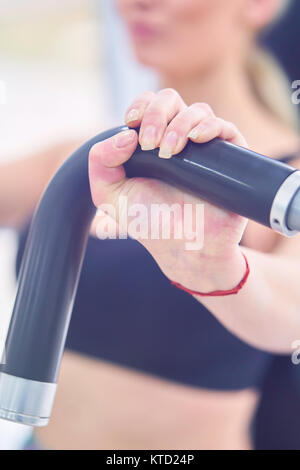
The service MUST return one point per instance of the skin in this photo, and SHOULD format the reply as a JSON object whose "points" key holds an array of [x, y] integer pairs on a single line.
{"points": [[30, 175], [199, 49], [219, 265]]}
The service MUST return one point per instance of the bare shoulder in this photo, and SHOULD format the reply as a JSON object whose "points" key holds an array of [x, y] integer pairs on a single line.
{"points": [[276, 139]]}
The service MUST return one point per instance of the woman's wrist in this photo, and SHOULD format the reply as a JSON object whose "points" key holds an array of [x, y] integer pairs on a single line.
{"points": [[213, 273]]}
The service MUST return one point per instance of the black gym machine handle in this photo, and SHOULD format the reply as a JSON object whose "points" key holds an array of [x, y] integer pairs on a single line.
{"points": [[228, 176]]}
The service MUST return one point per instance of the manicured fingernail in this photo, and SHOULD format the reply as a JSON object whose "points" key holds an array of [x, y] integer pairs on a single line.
{"points": [[124, 139], [148, 138], [194, 134], [132, 116], [165, 153], [168, 145]]}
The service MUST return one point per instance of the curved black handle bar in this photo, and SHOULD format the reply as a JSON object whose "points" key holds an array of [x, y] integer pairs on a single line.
{"points": [[228, 176]]}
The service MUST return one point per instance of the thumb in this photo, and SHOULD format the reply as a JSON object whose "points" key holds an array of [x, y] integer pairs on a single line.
{"points": [[106, 172]]}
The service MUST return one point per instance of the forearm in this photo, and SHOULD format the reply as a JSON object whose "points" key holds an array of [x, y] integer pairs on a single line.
{"points": [[22, 182], [266, 312]]}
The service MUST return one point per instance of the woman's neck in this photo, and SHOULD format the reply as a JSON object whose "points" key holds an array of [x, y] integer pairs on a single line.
{"points": [[228, 91], [223, 88]]}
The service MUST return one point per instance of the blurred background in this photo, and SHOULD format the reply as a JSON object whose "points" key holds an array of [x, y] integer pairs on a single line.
{"points": [[66, 71], [47, 86], [57, 82]]}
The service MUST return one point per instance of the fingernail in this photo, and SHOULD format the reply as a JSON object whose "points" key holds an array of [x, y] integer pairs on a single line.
{"points": [[165, 153], [194, 134], [132, 116], [124, 139], [148, 138], [168, 145]]}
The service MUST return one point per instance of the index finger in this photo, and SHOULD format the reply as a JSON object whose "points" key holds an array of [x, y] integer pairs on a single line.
{"points": [[135, 112]]}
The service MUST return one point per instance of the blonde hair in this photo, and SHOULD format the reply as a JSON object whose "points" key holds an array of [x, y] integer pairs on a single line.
{"points": [[282, 8], [271, 83]]}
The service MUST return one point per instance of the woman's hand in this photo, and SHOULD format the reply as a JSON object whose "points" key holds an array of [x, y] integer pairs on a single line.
{"points": [[168, 123]]}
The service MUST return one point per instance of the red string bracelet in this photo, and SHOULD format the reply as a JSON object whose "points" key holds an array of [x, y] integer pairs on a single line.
{"points": [[218, 293]]}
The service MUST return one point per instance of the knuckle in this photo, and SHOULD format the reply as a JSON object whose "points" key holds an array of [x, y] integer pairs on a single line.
{"points": [[154, 114], [220, 122], [234, 128], [147, 96], [203, 107], [211, 121], [179, 123], [231, 128], [171, 92], [148, 93], [143, 99]]}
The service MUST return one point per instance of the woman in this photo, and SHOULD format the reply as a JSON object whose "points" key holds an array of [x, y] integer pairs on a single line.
{"points": [[148, 365]]}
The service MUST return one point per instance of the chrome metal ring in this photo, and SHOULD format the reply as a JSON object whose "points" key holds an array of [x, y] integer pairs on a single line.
{"points": [[26, 401], [281, 203]]}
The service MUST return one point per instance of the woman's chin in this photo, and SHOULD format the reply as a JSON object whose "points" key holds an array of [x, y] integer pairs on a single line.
{"points": [[149, 58]]}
